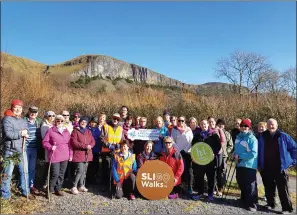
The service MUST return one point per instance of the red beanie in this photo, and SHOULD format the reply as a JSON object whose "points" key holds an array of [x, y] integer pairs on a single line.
{"points": [[246, 122], [17, 102]]}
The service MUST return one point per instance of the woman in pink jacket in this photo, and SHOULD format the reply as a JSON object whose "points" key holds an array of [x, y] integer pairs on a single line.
{"points": [[82, 141], [57, 143]]}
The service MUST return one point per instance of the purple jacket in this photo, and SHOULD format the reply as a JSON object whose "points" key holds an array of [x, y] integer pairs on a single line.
{"points": [[62, 141]]}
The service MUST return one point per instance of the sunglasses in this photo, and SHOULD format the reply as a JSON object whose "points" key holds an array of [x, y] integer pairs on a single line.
{"points": [[65, 115], [246, 126], [116, 119], [168, 142], [51, 116], [76, 117], [181, 120], [59, 120]]}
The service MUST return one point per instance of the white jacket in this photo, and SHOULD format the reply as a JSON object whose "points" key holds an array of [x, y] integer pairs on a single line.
{"points": [[182, 141]]}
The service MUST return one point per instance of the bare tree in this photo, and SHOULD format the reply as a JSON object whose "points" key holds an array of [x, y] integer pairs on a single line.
{"points": [[289, 81], [243, 69]]}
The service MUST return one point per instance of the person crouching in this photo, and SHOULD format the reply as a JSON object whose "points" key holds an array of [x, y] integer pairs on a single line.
{"points": [[173, 158], [123, 170], [82, 141]]}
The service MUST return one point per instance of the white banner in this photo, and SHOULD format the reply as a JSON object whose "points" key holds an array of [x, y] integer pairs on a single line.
{"points": [[143, 134]]}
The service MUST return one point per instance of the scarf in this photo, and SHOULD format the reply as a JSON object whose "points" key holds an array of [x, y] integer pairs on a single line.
{"points": [[204, 134], [61, 129], [181, 130], [82, 129]]}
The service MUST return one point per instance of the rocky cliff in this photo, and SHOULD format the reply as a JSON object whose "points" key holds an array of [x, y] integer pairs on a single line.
{"points": [[111, 68]]}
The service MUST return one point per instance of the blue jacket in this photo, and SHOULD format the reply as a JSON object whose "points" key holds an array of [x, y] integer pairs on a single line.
{"points": [[287, 149], [158, 145], [96, 134], [246, 147]]}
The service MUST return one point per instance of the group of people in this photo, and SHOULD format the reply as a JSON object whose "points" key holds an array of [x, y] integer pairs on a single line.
{"points": [[72, 149]]}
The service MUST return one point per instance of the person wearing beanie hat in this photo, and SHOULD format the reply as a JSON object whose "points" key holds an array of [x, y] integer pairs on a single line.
{"points": [[34, 144], [166, 116], [15, 130], [245, 154], [81, 141], [57, 143]]}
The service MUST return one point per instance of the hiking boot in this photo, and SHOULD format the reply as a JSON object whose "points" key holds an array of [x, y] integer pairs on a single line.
{"points": [[131, 197], [83, 189], [34, 191], [74, 190], [173, 196], [210, 197], [59, 193]]}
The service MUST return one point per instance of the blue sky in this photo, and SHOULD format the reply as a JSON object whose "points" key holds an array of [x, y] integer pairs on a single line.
{"points": [[182, 40]]}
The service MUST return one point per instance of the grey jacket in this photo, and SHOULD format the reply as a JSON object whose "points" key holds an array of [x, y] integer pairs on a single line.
{"points": [[12, 138]]}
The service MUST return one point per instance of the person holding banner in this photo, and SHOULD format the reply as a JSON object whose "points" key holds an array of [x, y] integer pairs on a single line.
{"points": [[173, 158], [124, 168], [246, 155], [183, 136], [163, 131], [138, 145], [213, 140]]}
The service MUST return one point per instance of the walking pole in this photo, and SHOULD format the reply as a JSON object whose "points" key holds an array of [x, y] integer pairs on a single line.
{"points": [[48, 175], [227, 178], [87, 155], [24, 167], [230, 182]]}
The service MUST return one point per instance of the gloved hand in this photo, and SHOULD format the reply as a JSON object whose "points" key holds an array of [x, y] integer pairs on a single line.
{"points": [[107, 145], [117, 146], [111, 147]]}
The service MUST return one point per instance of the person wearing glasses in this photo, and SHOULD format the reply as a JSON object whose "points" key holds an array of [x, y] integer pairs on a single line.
{"points": [[33, 143], [82, 142], [57, 143], [48, 122], [173, 158], [67, 122], [138, 145], [111, 144], [277, 152], [246, 154], [163, 132], [182, 135], [76, 117]]}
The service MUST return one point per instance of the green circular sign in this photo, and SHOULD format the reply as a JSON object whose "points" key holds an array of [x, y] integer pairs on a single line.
{"points": [[202, 153]]}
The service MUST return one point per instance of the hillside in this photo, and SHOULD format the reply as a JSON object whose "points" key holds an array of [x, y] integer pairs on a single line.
{"points": [[99, 73]]}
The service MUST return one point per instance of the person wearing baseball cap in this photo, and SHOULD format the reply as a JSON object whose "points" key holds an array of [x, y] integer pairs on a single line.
{"points": [[34, 144], [246, 158], [15, 130]]}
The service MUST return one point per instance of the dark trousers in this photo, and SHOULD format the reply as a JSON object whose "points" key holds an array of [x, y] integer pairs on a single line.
{"points": [[79, 173], [106, 164], [220, 172], [200, 171], [57, 175], [93, 169], [272, 179], [128, 187], [247, 182], [68, 172], [176, 189], [187, 176], [44, 176]]}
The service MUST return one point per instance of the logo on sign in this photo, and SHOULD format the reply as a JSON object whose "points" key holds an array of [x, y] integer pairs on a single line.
{"points": [[155, 180], [202, 153]]}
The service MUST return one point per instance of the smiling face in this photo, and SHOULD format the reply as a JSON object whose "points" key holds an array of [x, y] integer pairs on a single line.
{"points": [[212, 123], [244, 128], [159, 122], [83, 123], [59, 122], [237, 123], [124, 148], [66, 115], [17, 110], [173, 121], [124, 111], [33, 115], [181, 121], [148, 148], [272, 125], [129, 122], [143, 122], [115, 120], [193, 124], [204, 125]]}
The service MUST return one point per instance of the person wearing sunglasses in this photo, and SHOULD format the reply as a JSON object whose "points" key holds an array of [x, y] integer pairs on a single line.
{"points": [[82, 142], [182, 136], [67, 122], [76, 117], [245, 155], [173, 158], [48, 122], [57, 143], [110, 144]]}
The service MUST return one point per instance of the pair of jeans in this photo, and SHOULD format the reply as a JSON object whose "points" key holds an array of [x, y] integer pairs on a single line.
{"points": [[32, 159], [79, 176], [7, 175]]}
